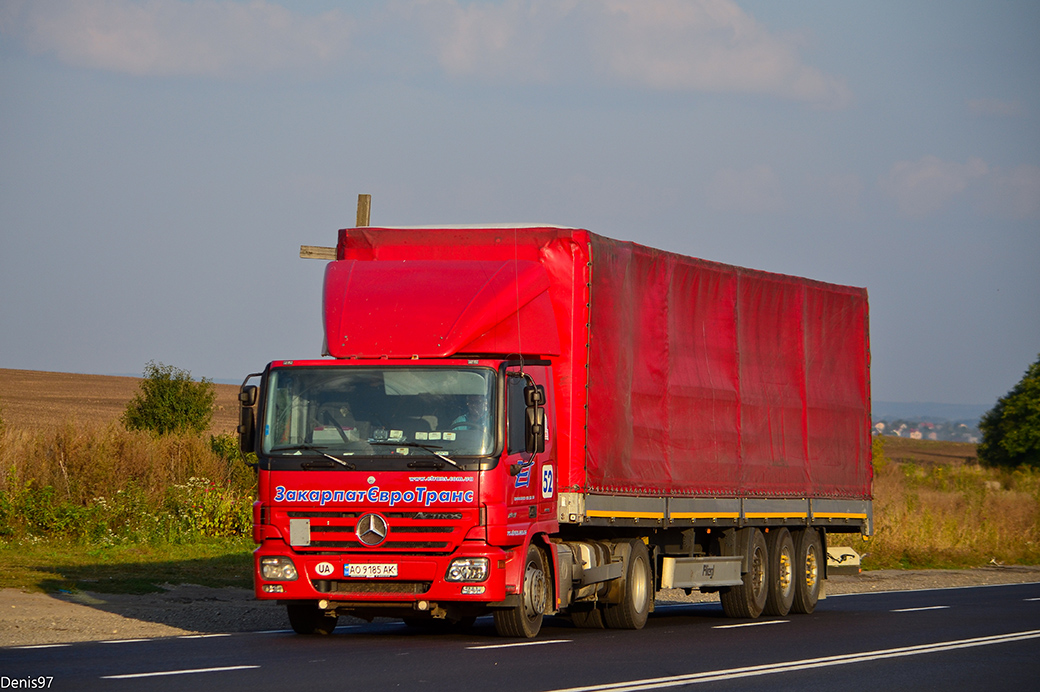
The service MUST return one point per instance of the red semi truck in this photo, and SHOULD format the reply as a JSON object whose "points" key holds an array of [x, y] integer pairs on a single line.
{"points": [[540, 420]]}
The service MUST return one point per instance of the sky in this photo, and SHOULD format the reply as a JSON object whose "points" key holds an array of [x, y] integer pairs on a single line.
{"points": [[162, 161]]}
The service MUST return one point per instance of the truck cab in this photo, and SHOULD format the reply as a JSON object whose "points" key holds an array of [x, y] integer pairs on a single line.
{"points": [[411, 490]]}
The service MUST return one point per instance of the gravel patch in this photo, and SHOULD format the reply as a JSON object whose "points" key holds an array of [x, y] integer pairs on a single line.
{"points": [[36, 618]]}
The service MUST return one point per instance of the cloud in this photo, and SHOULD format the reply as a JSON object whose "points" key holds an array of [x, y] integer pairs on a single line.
{"points": [[666, 45], [755, 190], [923, 187], [173, 37]]}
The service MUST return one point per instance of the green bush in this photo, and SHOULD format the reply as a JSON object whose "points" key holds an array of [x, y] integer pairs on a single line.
{"points": [[170, 401], [189, 511], [1011, 429], [202, 508]]}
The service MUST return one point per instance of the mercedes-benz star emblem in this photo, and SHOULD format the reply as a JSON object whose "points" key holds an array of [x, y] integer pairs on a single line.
{"points": [[371, 529]]}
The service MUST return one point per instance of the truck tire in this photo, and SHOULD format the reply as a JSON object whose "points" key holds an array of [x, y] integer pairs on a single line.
{"points": [[808, 570], [636, 591], [525, 619], [749, 599], [307, 618], [781, 572]]}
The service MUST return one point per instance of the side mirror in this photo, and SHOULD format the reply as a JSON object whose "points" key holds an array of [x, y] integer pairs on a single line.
{"points": [[247, 396], [534, 395], [534, 428]]}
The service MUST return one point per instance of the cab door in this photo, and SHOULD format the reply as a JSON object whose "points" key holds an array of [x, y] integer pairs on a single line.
{"points": [[531, 495]]}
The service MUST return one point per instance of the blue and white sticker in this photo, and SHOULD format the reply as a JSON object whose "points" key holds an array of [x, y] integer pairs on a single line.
{"points": [[523, 478], [547, 481]]}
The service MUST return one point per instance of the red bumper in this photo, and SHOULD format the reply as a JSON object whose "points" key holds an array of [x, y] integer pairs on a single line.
{"points": [[418, 577]]}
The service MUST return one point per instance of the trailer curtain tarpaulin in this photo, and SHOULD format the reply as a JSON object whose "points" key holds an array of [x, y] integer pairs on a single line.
{"points": [[708, 379], [673, 375]]}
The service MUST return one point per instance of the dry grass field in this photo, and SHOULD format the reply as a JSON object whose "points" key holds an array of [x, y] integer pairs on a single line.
{"points": [[930, 452], [70, 470], [34, 400]]}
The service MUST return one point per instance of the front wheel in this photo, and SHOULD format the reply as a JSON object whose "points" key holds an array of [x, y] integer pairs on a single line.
{"points": [[525, 618], [308, 618]]}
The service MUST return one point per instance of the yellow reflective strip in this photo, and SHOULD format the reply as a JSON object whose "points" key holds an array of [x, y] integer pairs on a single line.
{"points": [[776, 515], [839, 515], [705, 515]]}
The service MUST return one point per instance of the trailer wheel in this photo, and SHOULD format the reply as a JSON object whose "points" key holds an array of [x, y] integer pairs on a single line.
{"points": [[808, 570], [637, 591], [308, 618], [749, 599], [525, 618], [782, 583]]}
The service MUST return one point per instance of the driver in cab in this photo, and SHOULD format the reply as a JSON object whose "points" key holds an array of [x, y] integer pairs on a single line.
{"points": [[475, 417]]}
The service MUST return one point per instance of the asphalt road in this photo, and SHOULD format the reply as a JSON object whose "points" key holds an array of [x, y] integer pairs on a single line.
{"points": [[976, 638]]}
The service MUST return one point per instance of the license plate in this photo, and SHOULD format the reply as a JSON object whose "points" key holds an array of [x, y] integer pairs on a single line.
{"points": [[370, 570]]}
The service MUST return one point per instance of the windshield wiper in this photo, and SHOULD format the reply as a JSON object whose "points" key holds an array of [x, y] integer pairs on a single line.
{"points": [[319, 450], [428, 448]]}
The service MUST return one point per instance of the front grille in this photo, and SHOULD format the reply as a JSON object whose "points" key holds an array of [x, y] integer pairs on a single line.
{"points": [[385, 545], [373, 586], [425, 516], [323, 515], [421, 529], [413, 531]]}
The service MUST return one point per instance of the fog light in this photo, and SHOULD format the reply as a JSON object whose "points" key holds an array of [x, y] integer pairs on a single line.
{"points": [[468, 569], [473, 590], [273, 588], [277, 569]]}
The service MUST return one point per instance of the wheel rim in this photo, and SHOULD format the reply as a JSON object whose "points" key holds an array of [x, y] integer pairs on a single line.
{"points": [[811, 569], [758, 572], [786, 575], [534, 591]]}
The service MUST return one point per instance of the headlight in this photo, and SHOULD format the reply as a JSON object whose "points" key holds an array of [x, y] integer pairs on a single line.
{"points": [[277, 569], [468, 569]]}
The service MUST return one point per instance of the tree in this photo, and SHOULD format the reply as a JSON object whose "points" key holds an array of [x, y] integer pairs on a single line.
{"points": [[170, 401], [1011, 429]]}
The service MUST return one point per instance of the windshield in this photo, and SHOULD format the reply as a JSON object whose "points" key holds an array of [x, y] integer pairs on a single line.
{"points": [[417, 412]]}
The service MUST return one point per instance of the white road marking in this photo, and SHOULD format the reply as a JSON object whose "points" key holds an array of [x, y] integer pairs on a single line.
{"points": [[915, 610], [125, 641], [203, 636], [187, 671], [511, 646], [1031, 599], [41, 646], [750, 624], [804, 664]]}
